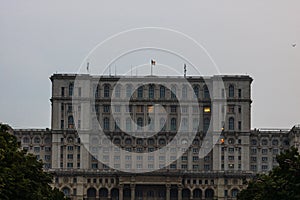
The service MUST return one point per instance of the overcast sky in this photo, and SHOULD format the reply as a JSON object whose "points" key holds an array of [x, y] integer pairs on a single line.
{"points": [[40, 38]]}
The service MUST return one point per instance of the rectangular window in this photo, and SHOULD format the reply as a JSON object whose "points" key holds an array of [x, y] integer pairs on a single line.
{"points": [[240, 125], [240, 93], [62, 91], [62, 125], [183, 166], [206, 109], [106, 108], [173, 109], [69, 165], [206, 167]]}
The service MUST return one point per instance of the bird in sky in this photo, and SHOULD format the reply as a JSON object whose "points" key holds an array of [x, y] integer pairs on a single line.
{"points": [[294, 45]]}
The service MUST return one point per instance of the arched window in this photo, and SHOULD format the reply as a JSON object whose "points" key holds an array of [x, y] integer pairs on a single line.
{"points": [[162, 141], [209, 193], [234, 192], [70, 122], [150, 141], [151, 91], [173, 124], [66, 191], [26, 140], [128, 91], [106, 123], [206, 92], [231, 124], [186, 194], [140, 123], [71, 88], [128, 141], [231, 91], [118, 91], [37, 140], [91, 193], [103, 192], [184, 92], [206, 122], [128, 124], [173, 92], [197, 193], [106, 90], [162, 92], [162, 123], [264, 142], [47, 140], [196, 91], [140, 92]]}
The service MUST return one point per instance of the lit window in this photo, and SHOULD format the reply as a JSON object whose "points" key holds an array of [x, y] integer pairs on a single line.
{"points": [[206, 109]]}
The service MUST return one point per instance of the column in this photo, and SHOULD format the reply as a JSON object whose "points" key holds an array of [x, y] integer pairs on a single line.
{"points": [[132, 187], [121, 192], [168, 192], [179, 192], [191, 195], [109, 194]]}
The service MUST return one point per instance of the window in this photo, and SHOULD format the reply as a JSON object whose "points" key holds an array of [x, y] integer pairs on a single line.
{"points": [[26, 140], [231, 123], [69, 165], [118, 91], [162, 92], [234, 192], [71, 86], [106, 123], [253, 167], [240, 125], [206, 94], [231, 91], [240, 109], [206, 123], [196, 91], [264, 151], [206, 167], [253, 150], [240, 93], [128, 91], [173, 124], [151, 91], [173, 108], [70, 122], [36, 149], [264, 142], [173, 92], [62, 91], [162, 122], [264, 167], [230, 157], [106, 91], [254, 142], [140, 123], [140, 92], [206, 109], [264, 159], [106, 108], [275, 142], [184, 92], [128, 124], [117, 108]]}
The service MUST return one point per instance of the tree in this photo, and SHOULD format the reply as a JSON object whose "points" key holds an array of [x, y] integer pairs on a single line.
{"points": [[21, 175], [283, 182]]}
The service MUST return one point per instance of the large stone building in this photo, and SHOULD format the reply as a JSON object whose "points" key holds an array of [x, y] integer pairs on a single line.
{"points": [[85, 166]]}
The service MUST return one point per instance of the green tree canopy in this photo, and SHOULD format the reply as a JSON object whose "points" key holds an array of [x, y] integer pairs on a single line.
{"points": [[283, 182], [21, 175]]}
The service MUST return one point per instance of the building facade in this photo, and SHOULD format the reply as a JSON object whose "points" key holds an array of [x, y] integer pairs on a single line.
{"points": [[86, 167]]}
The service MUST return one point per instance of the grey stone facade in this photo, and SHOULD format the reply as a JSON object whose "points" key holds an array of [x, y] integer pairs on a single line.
{"points": [[238, 155]]}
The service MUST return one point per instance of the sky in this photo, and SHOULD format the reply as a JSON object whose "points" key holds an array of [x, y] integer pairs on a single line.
{"points": [[39, 38]]}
